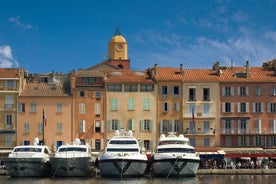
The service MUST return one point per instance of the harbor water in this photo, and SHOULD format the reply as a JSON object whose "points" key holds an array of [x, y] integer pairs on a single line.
{"points": [[200, 179]]}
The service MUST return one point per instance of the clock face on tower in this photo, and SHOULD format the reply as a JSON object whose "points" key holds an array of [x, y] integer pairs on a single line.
{"points": [[119, 47]]}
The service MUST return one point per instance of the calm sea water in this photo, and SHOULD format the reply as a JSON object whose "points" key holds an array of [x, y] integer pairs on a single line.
{"points": [[200, 179]]}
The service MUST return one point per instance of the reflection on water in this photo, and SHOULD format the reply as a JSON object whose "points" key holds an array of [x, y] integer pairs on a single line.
{"points": [[200, 179]]}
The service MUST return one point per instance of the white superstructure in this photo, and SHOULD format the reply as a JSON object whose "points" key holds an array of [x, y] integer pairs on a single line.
{"points": [[174, 157], [122, 157], [73, 160], [29, 161]]}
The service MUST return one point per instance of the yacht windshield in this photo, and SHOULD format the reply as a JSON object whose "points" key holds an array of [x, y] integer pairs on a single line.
{"points": [[172, 142], [72, 149], [175, 150], [122, 150], [122, 142], [27, 150]]}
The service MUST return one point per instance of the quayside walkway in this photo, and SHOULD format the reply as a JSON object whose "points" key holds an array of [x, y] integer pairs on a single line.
{"points": [[236, 172]]}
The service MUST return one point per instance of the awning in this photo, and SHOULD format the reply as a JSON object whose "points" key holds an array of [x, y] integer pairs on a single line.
{"points": [[210, 155]]}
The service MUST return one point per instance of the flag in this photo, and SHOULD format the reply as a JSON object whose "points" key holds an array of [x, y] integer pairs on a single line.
{"points": [[44, 118]]}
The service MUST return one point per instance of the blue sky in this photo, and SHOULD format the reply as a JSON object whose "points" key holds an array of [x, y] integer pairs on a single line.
{"points": [[65, 35]]}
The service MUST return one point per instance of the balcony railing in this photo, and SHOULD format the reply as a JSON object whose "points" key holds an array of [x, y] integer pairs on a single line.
{"points": [[251, 131]]}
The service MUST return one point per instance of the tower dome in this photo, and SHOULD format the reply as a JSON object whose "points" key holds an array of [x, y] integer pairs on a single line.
{"points": [[117, 47]]}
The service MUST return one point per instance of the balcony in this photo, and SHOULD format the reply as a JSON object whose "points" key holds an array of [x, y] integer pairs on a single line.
{"points": [[252, 131]]}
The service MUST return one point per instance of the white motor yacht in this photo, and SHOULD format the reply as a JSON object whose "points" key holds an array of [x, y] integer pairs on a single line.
{"points": [[122, 157], [73, 160], [174, 157], [29, 161]]}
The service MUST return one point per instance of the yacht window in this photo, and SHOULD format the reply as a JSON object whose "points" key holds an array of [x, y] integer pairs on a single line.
{"points": [[27, 150], [176, 150], [122, 142], [172, 142], [72, 149], [122, 149]]}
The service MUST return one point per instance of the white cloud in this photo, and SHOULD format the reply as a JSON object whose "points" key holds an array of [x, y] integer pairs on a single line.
{"points": [[17, 22], [6, 58]]}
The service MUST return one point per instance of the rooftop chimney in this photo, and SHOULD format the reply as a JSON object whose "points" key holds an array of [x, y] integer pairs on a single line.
{"points": [[155, 69], [181, 69], [247, 69]]}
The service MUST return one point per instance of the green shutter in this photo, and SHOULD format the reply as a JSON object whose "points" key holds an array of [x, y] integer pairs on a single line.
{"points": [[151, 125], [109, 125]]}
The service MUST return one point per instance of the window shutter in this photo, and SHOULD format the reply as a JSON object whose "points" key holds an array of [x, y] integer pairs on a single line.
{"points": [[102, 127]]}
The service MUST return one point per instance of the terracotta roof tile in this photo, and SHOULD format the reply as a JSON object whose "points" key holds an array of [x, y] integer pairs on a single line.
{"points": [[127, 76], [43, 89], [10, 72]]}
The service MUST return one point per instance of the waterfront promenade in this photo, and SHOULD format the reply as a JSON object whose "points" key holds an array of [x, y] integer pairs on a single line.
{"points": [[218, 172], [236, 172]]}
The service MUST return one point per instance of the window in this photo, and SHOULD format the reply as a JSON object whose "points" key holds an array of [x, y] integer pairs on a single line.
{"points": [[59, 127], [10, 84], [258, 90], [243, 107], [227, 107], [114, 87], [258, 107], [227, 91], [206, 141], [146, 125], [206, 94], [228, 141], [243, 126], [176, 91], [98, 126], [97, 109], [97, 144], [192, 94], [114, 104], [147, 144], [59, 107], [271, 107], [193, 141], [243, 141], [97, 94], [131, 88], [8, 102], [227, 126], [21, 107], [273, 126], [82, 108], [165, 107], [176, 107], [258, 126], [9, 121], [26, 128], [146, 104], [131, 124], [242, 91], [257, 141], [82, 126], [88, 81], [33, 107], [206, 110], [164, 91], [130, 104], [146, 88], [165, 126], [82, 94], [206, 125], [272, 91], [177, 126], [113, 124]]}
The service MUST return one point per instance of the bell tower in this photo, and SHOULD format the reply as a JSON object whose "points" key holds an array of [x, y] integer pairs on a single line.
{"points": [[117, 51]]}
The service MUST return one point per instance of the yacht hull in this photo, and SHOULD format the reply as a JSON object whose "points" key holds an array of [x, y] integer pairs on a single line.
{"points": [[175, 167], [72, 166], [122, 168], [28, 167]]}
